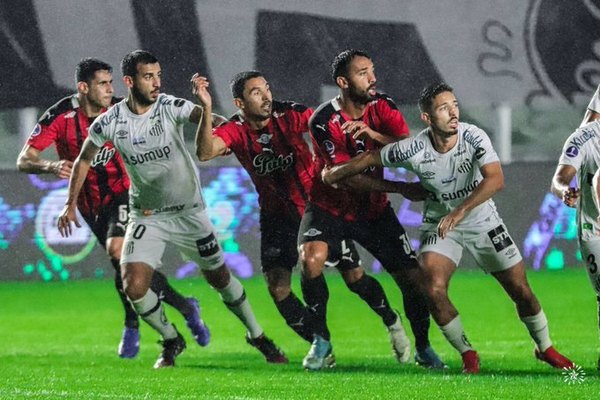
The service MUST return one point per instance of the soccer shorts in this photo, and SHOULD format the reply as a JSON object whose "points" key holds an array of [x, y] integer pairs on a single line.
{"points": [[278, 245], [111, 219], [190, 230], [384, 237], [590, 251], [492, 247]]}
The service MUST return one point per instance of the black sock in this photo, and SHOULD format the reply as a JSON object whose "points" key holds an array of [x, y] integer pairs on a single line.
{"points": [[417, 313], [131, 317], [316, 295], [168, 294], [297, 316], [371, 291]]}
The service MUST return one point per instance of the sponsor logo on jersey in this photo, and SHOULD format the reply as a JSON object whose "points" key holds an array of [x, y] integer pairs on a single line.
{"points": [[473, 139], [500, 238], [582, 138], [266, 163], [329, 148], [312, 232], [119, 134], [37, 129], [108, 118], [465, 167], [207, 246], [265, 138], [157, 129], [448, 179], [148, 156], [103, 156], [479, 152], [459, 194], [427, 175], [140, 140], [572, 151], [460, 150], [121, 121], [399, 156]]}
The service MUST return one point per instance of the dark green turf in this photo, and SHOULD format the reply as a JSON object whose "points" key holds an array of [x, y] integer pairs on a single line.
{"points": [[59, 340]]}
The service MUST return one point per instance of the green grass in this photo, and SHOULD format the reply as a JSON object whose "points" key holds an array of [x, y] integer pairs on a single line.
{"points": [[58, 340]]}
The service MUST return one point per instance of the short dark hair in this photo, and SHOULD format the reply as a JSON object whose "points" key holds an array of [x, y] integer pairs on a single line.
{"points": [[238, 82], [87, 67], [427, 94], [341, 62], [130, 61]]}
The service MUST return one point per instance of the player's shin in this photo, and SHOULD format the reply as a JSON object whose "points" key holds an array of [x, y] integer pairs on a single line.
{"points": [[150, 309], [234, 297], [297, 316], [316, 296]]}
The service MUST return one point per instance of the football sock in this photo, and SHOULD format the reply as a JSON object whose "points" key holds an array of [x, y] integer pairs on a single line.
{"points": [[370, 290], [150, 309], [131, 317], [168, 294], [234, 297], [455, 334], [297, 316], [537, 325], [417, 313], [316, 295]]}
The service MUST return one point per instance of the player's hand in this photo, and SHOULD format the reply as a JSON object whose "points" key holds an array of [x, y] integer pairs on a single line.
{"points": [[325, 175], [450, 221], [200, 89], [570, 196], [65, 218], [358, 129], [62, 168]]}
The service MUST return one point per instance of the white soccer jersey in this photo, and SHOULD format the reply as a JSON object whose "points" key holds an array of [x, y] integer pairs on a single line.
{"points": [[582, 151], [451, 176], [595, 102], [162, 172]]}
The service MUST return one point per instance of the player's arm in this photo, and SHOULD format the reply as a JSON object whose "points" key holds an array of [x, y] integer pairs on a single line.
{"points": [[30, 161], [360, 130], [590, 115], [80, 169], [492, 183], [561, 184]]}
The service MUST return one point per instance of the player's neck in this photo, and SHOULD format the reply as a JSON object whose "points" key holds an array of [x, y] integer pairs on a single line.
{"points": [[353, 109], [137, 107], [256, 124], [442, 143], [89, 109]]}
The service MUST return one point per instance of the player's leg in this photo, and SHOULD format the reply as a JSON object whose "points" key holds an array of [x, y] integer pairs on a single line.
{"points": [[590, 251], [371, 292], [496, 252], [142, 251], [279, 255], [196, 239]]}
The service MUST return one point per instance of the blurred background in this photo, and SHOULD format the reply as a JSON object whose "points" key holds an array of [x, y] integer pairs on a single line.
{"points": [[522, 70]]}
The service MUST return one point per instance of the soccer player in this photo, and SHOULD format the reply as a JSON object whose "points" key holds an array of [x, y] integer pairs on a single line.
{"points": [[593, 110], [104, 203], [267, 138], [581, 157], [166, 204], [357, 120], [456, 163]]}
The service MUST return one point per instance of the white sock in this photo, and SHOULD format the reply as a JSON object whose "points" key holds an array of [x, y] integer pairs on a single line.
{"points": [[234, 297], [150, 309], [455, 334], [537, 325]]}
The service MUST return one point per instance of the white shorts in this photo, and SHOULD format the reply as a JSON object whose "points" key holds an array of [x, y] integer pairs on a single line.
{"points": [[590, 251], [492, 247], [191, 231]]}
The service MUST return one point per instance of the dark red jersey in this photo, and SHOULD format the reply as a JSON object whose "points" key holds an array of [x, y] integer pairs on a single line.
{"points": [[277, 157], [332, 146], [66, 126]]}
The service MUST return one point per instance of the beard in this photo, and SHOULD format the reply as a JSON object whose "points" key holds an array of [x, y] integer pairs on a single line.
{"points": [[359, 97], [141, 98]]}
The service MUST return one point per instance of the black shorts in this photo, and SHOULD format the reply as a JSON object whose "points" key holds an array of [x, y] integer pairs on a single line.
{"points": [[112, 219], [383, 237], [279, 245]]}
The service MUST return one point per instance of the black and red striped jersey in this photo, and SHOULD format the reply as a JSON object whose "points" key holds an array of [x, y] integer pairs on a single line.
{"points": [[332, 146], [66, 126], [277, 157]]}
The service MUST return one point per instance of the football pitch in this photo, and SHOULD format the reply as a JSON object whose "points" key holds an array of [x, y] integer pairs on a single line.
{"points": [[59, 340]]}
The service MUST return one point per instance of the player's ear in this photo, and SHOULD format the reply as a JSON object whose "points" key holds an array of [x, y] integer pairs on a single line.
{"points": [[425, 118], [82, 87], [238, 103], [128, 81], [342, 82]]}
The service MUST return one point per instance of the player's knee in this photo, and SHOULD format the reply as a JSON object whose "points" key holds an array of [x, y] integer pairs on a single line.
{"points": [[113, 248], [436, 290], [313, 257], [217, 278], [279, 292]]}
